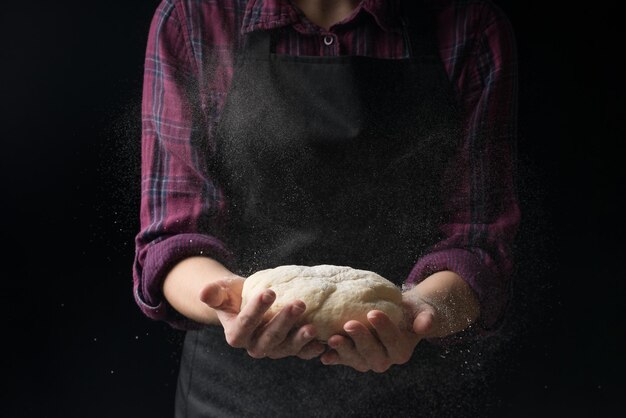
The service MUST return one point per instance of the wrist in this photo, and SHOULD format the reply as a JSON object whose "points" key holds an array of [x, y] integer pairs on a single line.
{"points": [[184, 283], [448, 298]]}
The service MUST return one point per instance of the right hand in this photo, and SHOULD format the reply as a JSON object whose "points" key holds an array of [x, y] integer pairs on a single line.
{"points": [[250, 329]]}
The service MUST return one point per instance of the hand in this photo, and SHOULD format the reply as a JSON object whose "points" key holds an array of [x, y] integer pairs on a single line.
{"points": [[384, 346], [252, 330], [440, 305]]}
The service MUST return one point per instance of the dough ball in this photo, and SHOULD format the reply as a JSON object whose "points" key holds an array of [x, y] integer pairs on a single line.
{"points": [[333, 295]]}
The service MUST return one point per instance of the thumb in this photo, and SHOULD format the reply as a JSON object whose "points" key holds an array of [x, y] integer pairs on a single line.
{"points": [[215, 295], [424, 320]]}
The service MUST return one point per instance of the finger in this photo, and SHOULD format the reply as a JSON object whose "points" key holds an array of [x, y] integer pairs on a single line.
{"points": [[240, 331], [388, 333], [214, 295], [303, 343], [423, 322], [343, 352], [340, 342], [397, 344], [330, 357], [311, 349], [368, 346], [316, 350], [337, 343], [270, 339], [224, 295]]}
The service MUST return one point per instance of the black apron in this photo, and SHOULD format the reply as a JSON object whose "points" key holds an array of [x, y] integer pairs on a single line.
{"points": [[327, 160]]}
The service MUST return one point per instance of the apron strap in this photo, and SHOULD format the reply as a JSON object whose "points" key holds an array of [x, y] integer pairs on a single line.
{"points": [[419, 29], [259, 44]]}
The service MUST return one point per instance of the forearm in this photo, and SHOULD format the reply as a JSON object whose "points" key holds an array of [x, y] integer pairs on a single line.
{"points": [[455, 303], [184, 283]]}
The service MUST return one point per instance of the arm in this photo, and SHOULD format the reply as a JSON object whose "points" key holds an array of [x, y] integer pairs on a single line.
{"points": [[187, 281], [205, 291], [481, 212], [180, 202], [181, 273], [464, 278]]}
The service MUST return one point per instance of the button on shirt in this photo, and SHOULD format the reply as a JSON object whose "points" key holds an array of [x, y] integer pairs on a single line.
{"points": [[188, 69]]}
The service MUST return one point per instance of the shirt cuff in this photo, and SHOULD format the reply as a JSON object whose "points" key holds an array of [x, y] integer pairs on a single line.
{"points": [[490, 288], [160, 259]]}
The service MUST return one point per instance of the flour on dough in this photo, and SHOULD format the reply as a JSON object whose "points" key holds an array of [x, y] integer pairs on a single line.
{"points": [[333, 295]]}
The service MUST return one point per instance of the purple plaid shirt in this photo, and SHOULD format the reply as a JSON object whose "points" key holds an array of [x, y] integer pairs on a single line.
{"points": [[188, 70]]}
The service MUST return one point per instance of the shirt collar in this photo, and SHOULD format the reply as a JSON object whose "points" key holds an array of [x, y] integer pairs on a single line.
{"points": [[270, 14]]}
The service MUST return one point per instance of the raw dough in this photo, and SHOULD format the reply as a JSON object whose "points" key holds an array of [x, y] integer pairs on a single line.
{"points": [[333, 294]]}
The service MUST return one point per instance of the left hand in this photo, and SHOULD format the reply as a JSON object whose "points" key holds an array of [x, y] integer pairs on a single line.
{"points": [[440, 305], [383, 346]]}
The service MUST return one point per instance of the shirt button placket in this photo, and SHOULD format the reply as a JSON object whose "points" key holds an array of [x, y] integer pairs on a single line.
{"points": [[329, 42]]}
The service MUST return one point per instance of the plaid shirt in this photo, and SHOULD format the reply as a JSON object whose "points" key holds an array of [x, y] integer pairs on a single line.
{"points": [[188, 69]]}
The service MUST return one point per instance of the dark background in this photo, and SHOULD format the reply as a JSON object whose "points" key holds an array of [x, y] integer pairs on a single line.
{"points": [[76, 345]]}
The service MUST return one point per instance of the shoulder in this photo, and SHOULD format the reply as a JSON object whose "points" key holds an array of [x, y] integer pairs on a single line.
{"points": [[199, 29], [463, 24], [473, 15], [204, 17], [199, 8]]}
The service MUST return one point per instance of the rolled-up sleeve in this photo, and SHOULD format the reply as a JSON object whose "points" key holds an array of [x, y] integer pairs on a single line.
{"points": [[482, 212], [180, 204]]}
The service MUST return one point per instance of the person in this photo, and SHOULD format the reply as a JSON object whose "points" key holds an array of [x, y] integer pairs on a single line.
{"points": [[367, 133]]}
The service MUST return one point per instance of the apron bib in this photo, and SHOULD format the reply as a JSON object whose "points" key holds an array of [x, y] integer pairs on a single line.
{"points": [[327, 160], [334, 160]]}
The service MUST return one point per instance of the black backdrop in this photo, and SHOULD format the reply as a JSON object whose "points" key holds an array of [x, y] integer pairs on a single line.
{"points": [[76, 345]]}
